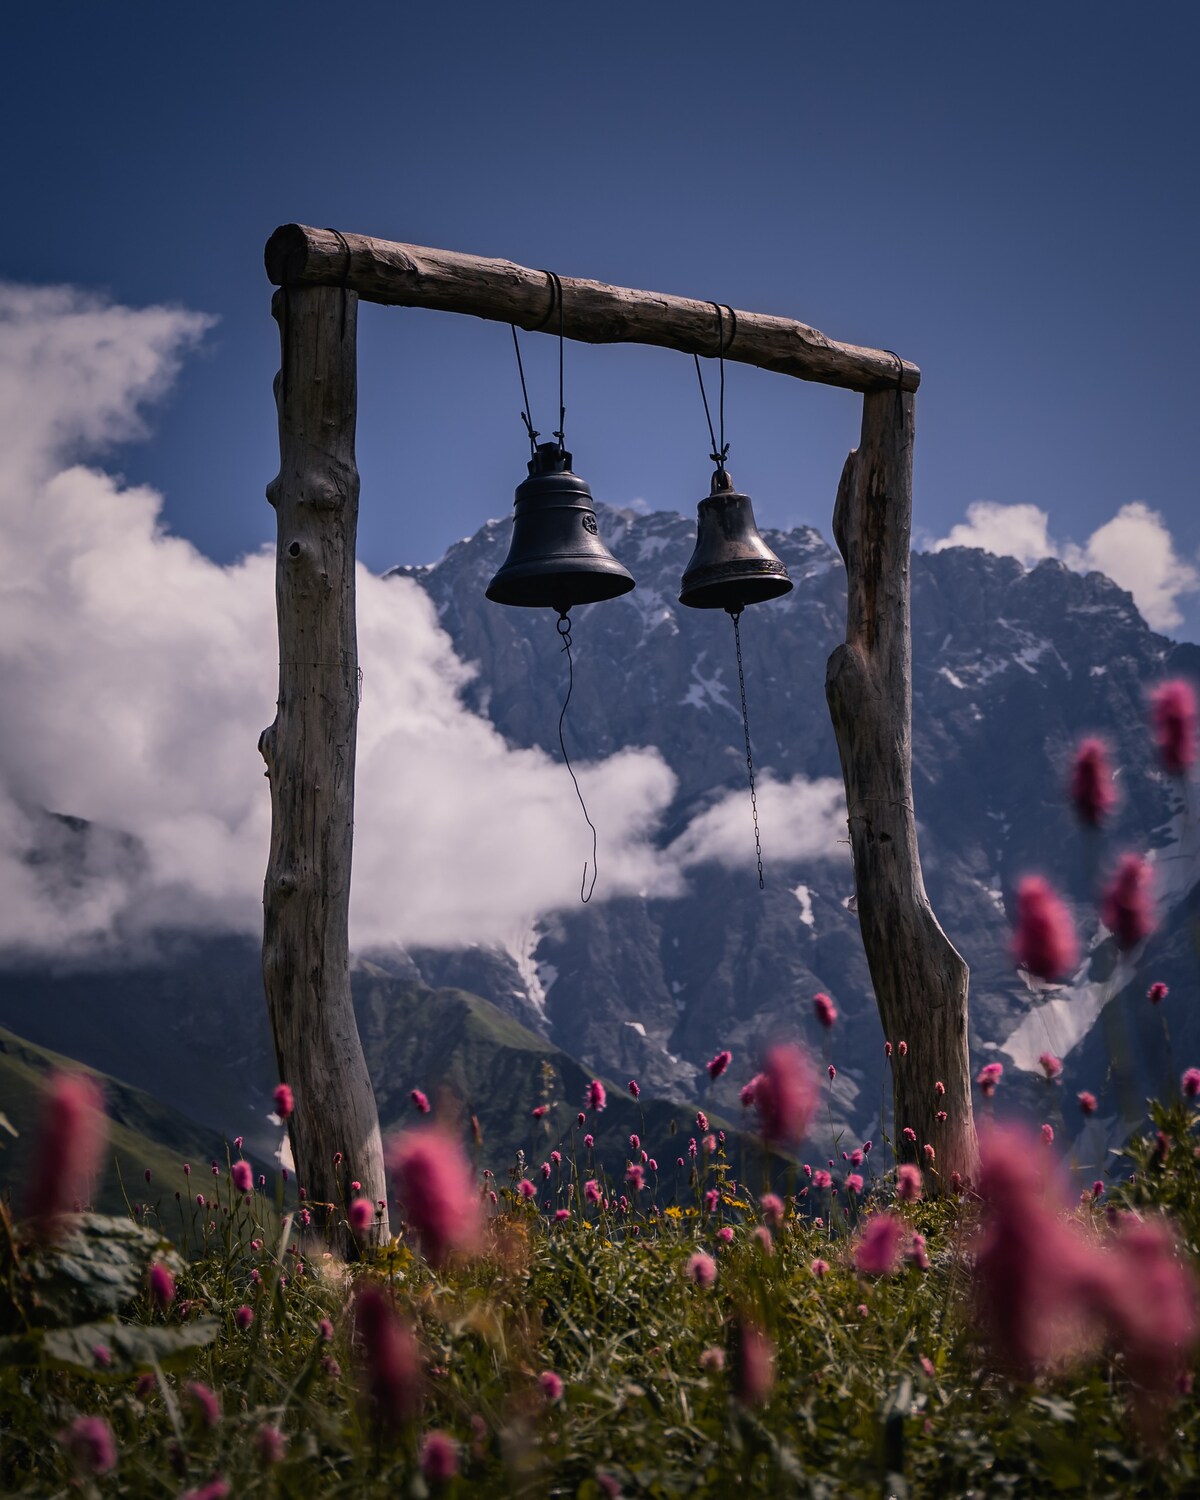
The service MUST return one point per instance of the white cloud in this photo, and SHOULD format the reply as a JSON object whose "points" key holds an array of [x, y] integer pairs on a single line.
{"points": [[1018, 531], [136, 675], [1135, 549], [800, 820]]}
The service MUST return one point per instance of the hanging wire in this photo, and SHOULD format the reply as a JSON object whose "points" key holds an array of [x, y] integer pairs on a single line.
{"points": [[564, 629], [735, 616], [562, 410], [529, 427], [720, 452]]}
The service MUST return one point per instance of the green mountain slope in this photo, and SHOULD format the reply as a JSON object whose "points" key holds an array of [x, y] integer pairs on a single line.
{"points": [[144, 1134]]}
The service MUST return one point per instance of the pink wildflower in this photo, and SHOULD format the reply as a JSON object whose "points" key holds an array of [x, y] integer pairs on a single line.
{"points": [[72, 1131], [438, 1456], [917, 1254], [701, 1269], [243, 1176], [244, 1317], [910, 1135], [857, 1157], [1044, 940], [551, 1385], [589, 1141], [878, 1250], [725, 1234], [719, 1063], [1126, 907], [711, 1198], [753, 1363], [1149, 1303], [540, 1111], [635, 1176], [435, 1186], [821, 1178], [764, 1237], [597, 1098], [772, 1208], [749, 1090], [1190, 1083], [420, 1101], [903, 1049], [930, 1153], [285, 1101], [854, 1182], [270, 1444], [1173, 713], [989, 1076], [90, 1442], [701, 1121], [204, 1403], [162, 1285], [826, 1011], [361, 1215], [712, 1360], [634, 1090], [526, 1189], [941, 1117], [832, 1072], [1091, 783], [819, 1267], [1048, 1134], [561, 1215], [908, 1182], [1087, 1102], [591, 1191], [939, 1088], [1157, 992], [391, 1362], [785, 1095], [1051, 1066], [887, 1049]]}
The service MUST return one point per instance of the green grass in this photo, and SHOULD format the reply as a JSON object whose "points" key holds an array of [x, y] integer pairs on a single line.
{"points": [[881, 1387]]}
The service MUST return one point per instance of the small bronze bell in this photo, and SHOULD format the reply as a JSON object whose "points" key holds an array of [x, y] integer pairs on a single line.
{"points": [[556, 558], [732, 566]]}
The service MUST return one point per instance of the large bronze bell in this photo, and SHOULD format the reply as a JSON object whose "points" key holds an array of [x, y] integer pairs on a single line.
{"points": [[556, 558], [732, 566]]}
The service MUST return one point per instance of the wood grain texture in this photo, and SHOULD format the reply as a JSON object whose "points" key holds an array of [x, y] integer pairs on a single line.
{"points": [[593, 313], [920, 980], [309, 752]]}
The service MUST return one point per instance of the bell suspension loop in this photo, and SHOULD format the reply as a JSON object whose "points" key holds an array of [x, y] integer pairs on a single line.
{"points": [[735, 615], [563, 626]]}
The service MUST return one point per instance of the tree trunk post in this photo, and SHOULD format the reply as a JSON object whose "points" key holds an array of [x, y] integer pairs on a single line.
{"points": [[309, 752], [920, 980]]}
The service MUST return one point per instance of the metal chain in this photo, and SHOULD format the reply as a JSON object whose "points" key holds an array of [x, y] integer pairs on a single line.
{"points": [[735, 615], [564, 629]]}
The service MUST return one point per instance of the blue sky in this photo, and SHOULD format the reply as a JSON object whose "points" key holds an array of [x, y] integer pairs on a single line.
{"points": [[1006, 195]]}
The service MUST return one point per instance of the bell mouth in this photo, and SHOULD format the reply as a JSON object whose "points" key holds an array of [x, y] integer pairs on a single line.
{"points": [[733, 586], [532, 587]]}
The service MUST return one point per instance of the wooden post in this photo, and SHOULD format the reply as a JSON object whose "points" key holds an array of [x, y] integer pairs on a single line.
{"points": [[309, 751], [920, 980]]}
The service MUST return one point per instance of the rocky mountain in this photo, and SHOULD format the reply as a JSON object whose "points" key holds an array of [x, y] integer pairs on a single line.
{"points": [[1011, 668]]}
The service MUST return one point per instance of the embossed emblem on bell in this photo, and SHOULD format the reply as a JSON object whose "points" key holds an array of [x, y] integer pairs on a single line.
{"points": [[556, 558], [732, 566]]}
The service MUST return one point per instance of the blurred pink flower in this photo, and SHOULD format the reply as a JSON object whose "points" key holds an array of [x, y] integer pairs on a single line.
{"points": [[162, 1285], [854, 1182], [91, 1445], [877, 1252], [270, 1444], [1173, 714], [749, 1090], [821, 1178], [361, 1215], [526, 1188], [719, 1063], [725, 1234], [436, 1189], [244, 1317], [1087, 1102], [819, 1267], [72, 1131], [1190, 1083], [908, 1182], [1157, 992], [785, 1095], [204, 1403], [391, 1360], [753, 1363], [597, 1097], [285, 1101], [438, 1456], [701, 1269], [1051, 1066], [826, 1011], [1091, 783], [591, 1191], [772, 1208], [243, 1176], [420, 1101], [540, 1111], [1048, 1134], [1126, 906], [989, 1076], [551, 1385], [712, 1360], [1044, 940]]}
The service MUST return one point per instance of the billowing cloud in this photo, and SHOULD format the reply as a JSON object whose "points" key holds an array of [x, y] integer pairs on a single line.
{"points": [[136, 675], [1019, 531], [801, 820], [1135, 549]]}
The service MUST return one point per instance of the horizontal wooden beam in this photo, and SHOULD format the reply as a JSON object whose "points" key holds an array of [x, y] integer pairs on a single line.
{"points": [[593, 313]]}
